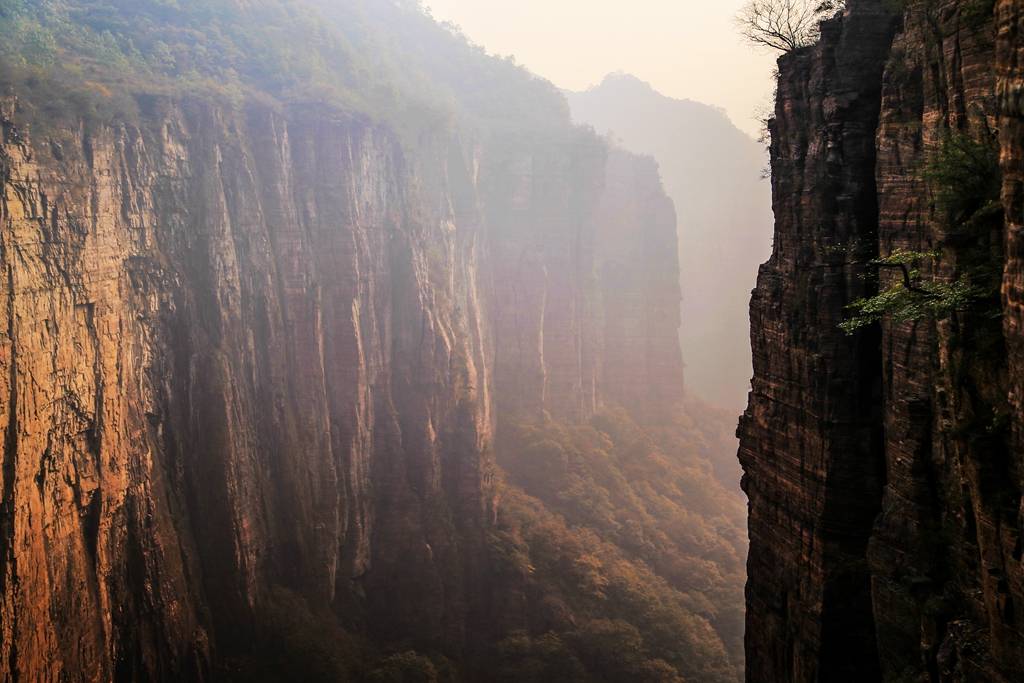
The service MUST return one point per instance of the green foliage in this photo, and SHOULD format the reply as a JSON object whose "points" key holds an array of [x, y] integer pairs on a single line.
{"points": [[976, 13], [913, 297], [294, 640], [405, 667], [523, 659], [630, 548], [964, 177], [938, 300], [382, 58], [291, 641]]}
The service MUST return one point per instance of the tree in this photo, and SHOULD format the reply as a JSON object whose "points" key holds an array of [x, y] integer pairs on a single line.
{"points": [[965, 180], [785, 25], [913, 297]]}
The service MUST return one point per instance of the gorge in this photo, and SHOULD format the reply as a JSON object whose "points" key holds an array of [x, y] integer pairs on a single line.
{"points": [[713, 173], [332, 349], [313, 373]]}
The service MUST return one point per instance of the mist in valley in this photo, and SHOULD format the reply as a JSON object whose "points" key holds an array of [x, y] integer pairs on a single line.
{"points": [[342, 345], [714, 174]]}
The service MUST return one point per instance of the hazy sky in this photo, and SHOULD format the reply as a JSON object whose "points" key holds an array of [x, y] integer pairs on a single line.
{"points": [[687, 49]]}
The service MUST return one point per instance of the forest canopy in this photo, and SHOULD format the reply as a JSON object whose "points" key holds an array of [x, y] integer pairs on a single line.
{"points": [[386, 59]]}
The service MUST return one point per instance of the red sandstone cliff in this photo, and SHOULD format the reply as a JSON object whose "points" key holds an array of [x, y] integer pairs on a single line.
{"points": [[245, 352]]}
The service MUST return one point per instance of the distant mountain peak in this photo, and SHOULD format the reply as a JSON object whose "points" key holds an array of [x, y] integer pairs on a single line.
{"points": [[622, 78], [621, 84], [712, 171]]}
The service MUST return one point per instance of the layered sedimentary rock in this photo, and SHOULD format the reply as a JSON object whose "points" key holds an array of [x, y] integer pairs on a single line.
{"points": [[884, 468], [712, 171], [585, 297], [224, 346], [810, 440], [244, 350], [636, 278]]}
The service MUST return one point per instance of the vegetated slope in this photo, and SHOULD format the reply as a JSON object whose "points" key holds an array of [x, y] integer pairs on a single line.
{"points": [[712, 171], [618, 532], [274, 273], [387, 60], [882, 444]]}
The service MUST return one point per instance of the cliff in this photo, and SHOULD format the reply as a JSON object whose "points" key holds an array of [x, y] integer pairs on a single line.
{"points": [[255, 353], [585, 298], [883, 467], [232, 363], [713, 173]]}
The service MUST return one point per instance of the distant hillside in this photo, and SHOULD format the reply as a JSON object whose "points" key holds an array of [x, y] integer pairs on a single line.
{"points": [[385, 60], [712, 171]]}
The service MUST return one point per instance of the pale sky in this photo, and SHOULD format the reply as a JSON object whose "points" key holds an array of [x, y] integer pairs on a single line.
{"points": [[687, 49]]}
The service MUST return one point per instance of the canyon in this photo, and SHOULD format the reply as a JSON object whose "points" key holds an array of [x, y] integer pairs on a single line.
{"points": [[883, 467], [261, 357], [361, 361]]}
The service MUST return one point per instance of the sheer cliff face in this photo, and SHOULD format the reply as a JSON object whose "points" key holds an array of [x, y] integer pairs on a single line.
{"points": [[585, 310], [712, 171], [251, 350], [884, 469], [810, 440], [1010, 94], [232, 361]]}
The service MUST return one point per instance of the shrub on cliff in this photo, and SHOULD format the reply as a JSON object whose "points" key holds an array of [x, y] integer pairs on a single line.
{"points": [[785, 25], [965, 181], [964, 176], [913, 296]]}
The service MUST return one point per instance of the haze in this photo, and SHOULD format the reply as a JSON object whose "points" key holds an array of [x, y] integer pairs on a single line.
{"points": [[328, 328], [685, 49]]}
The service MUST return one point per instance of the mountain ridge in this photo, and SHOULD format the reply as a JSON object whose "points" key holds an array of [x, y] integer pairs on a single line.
{"points": [[712, 171]]}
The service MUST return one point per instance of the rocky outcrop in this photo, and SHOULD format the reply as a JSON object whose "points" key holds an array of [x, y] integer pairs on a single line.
{"points": [[884, 468], [636, 277], [713, 173], [810, 439], [585, 307], [245, 351], [228, 368]]}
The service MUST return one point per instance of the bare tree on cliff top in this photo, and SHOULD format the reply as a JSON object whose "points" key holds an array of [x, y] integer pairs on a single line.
{"points": [[785, 25]]}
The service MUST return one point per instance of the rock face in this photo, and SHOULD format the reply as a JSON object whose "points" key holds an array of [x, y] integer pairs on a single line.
{"points": [[249, 350], [884, 468], [585, 311], [712, 171]]}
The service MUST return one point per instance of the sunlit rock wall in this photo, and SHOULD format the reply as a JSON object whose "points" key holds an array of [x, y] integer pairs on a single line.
{"points": [[248, 350]]}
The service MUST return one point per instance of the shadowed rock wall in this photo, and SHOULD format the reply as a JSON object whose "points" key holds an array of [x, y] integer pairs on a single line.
{"points": [[884, 469]]}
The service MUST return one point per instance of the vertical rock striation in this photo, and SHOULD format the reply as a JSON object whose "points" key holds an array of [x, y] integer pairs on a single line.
{"points": [[233, 363], [251, 351], [636, 275], [884, 469], [584, 301]]}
